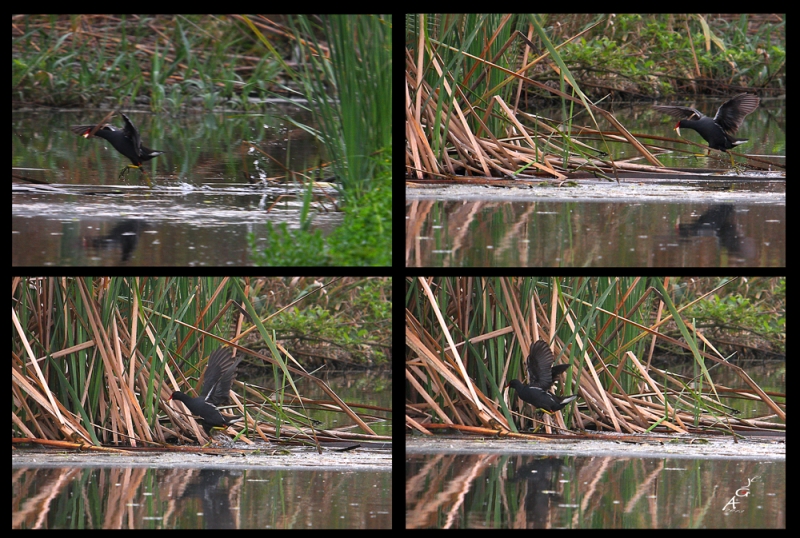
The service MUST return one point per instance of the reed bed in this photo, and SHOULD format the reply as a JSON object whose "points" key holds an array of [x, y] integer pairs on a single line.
{"points": [[95, 360], [452, 132], [466, 336], [466, 76]]}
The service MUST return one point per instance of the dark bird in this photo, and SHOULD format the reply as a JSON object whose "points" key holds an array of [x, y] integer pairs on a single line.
{"points": [[217, 381], [126, 141], [542, 373], [719, 131]]}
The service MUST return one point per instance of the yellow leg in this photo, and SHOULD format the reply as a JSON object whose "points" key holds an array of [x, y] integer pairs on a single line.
{"points": [[211, 436], [124, 172]]}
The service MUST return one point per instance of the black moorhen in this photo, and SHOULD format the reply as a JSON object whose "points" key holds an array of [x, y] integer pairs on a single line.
{"points": [[542, 374], [126, 141], [217, 381], [718, 132]]}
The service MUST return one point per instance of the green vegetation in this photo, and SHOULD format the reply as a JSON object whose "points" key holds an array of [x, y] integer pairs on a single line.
{"points": [[633, 54], [170, 62], [363, 238], [664, 54], [352, 93], [752, 311], [362, 328], [356, 130]]}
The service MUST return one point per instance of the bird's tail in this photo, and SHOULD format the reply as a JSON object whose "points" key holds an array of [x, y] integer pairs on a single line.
{"points": [[736, 141]]}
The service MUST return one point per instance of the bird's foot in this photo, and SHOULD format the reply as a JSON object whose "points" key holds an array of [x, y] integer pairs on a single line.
{"points": [[219, 437], [124, 173]]}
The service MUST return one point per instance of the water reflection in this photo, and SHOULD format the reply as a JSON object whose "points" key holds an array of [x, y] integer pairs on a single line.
{"points": [[534, 491], [719, 222], [555, 233], [214, 492], [197, 498], [541, 482], [124, 235]]}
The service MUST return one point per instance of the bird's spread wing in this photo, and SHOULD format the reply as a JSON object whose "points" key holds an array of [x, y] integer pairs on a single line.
{"points": [[218, 376], [680, 112], [540, 361], [731, 114]]}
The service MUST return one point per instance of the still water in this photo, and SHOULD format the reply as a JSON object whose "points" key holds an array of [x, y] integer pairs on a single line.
{"points": [[665, 227], [199, 498], [537, 491]]}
